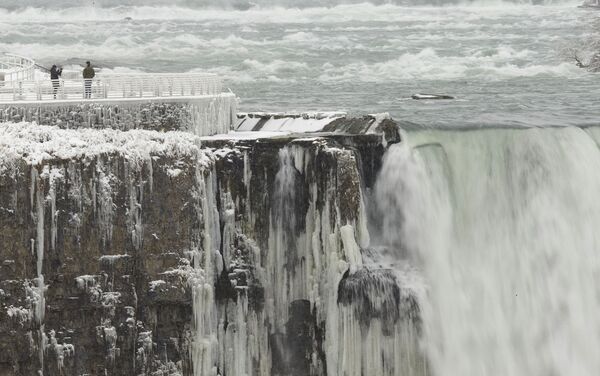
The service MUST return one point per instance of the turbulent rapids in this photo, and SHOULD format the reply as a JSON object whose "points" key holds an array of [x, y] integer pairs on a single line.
{"points": [[279, 56]]}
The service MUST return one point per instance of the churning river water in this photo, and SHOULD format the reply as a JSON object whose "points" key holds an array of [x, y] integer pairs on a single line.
{"points": [[504, 62]]}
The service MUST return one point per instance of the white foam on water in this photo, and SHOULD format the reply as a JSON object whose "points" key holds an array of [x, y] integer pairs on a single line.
{"points": [[270, 14], [498, 64]]}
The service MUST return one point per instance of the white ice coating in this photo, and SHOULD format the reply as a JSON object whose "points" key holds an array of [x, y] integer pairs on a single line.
{"points": [[307, 254], [202, 115], [204, 348], [214, 115], [504, 224], [84, 282], [286, 122], [61, 351], [20, 314], [296, 259], [324, 254], [282, 239], [103, 201], [155, 284], [135, 187], [367, 351], [41, 146], [38, 204], [111, 259], [36, 144], [351, 248], [110, 339], [298, 265]]}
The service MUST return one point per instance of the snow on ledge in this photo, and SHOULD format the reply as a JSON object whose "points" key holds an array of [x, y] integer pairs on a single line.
{"points": [[38, 143], [245, 135], [286, 122]]}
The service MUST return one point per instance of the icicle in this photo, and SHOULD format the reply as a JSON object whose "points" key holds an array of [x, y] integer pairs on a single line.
{"points": [[38, 204], [212, 115], [247, 180], [201, 281], [228, 210], [136, 198], [351, 249], [242, 367], [105, 211]]}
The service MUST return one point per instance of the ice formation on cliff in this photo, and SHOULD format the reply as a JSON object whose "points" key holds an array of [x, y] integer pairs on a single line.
{"points": [[274, 267]]}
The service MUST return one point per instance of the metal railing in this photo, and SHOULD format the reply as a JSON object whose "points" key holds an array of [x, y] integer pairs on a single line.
{"points": [[113, 87], [16, 68]]}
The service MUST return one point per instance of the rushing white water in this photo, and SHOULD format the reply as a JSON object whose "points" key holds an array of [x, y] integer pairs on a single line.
{"points": [[504, 224]]}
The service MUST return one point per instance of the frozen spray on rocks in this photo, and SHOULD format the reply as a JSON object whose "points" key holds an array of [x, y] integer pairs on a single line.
{"points": [[171, 253]]}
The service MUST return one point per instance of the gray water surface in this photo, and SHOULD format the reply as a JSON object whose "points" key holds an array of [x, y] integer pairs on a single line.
{"points": [[502, 61]]}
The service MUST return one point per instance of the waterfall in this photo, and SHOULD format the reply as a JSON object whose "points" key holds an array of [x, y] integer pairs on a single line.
{"points": [[503, 224]]}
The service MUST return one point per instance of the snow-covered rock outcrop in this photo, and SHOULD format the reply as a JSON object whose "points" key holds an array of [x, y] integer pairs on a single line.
{"points": [[149, 253]]}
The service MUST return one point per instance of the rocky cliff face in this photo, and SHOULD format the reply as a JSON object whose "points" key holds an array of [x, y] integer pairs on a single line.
{"points": [[153, 253]]}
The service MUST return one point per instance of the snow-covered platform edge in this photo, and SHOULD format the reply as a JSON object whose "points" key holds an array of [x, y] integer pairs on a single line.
{"points": [[317, 122], [201, 115]]}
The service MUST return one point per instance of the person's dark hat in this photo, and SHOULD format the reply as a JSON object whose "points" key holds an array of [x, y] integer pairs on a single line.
{"points": [[87, 62]]}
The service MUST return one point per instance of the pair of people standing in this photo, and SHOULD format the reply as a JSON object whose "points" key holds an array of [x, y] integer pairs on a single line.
{"points": [[88, 75]]}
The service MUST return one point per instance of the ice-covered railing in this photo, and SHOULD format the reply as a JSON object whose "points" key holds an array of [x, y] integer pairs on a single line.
{"points": [[14, 68], [113, 87]]}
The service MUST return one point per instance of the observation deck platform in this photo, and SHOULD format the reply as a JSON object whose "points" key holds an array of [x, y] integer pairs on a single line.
{"points": [[194, 102]]}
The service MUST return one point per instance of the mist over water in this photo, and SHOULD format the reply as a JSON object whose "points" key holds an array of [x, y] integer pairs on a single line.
{"points": [[501, 60], [503, 224]]}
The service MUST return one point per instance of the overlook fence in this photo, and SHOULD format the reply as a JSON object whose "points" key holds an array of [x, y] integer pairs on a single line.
{"points": [[112, 87], [16, 68]]}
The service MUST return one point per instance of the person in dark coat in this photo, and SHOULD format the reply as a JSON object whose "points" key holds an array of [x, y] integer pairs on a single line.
{"points": [[55, 73], [88, 75]]}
